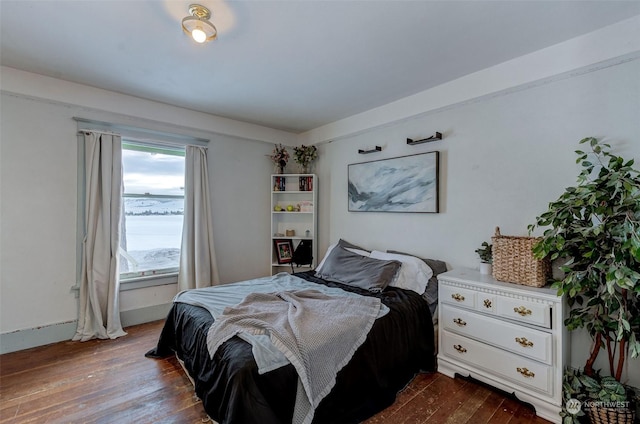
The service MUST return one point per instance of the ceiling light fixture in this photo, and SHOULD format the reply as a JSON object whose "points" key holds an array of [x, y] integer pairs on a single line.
{"points": [[198, 26]]}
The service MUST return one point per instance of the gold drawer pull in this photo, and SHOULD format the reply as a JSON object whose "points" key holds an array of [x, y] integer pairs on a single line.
{"points": [[487, 303], [525, 372], [522, 311], [457, 297], [459, 321], [524, 342], [459, 348]]}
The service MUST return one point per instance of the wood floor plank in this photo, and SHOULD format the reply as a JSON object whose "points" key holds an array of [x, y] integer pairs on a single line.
{"points": [[488, 408], [505, 412], [425, 403], [469, 406], [419, 382], [526, 414], [451, 403], [110, 381]]}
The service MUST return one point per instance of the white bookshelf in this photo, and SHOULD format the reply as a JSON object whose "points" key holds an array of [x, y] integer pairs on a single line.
{"points": [[300, 191]]}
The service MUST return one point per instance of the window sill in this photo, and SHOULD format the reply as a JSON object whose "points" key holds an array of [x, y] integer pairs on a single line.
{"points": [[141, 282], [148, 281]]}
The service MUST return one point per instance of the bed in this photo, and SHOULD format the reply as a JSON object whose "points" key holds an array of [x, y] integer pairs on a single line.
{"points": [[399, 344]]}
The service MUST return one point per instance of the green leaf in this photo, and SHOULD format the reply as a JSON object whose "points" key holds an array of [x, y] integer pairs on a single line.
{"points": [[589, 382], [626, 324]]}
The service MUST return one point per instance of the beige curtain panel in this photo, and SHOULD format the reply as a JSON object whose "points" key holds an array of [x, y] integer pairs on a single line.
{"points": [[99, 315], [197, 255]]}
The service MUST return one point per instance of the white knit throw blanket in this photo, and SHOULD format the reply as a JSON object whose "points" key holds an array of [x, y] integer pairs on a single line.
{"points": [[317, 333]]}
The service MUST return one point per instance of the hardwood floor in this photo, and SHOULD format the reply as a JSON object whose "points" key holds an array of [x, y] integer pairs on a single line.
{"points": [[110, 381]]}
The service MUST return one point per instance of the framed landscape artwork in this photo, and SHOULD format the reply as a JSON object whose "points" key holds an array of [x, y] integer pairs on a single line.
{"points": [[402, 184]]}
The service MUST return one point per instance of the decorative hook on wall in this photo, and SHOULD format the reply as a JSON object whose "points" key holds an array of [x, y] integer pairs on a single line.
{"points": [[375, 149], [436, 136]]}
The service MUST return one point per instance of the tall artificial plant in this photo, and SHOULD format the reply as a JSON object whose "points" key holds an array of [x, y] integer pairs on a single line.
{"points": [[594, 228]]}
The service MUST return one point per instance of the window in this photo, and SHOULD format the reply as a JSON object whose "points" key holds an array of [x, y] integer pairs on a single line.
{"points": [[153, 209]]}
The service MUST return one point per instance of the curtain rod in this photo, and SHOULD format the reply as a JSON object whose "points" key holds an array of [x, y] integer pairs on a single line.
{"points": [[158, 143], [137, 132], [85, 130]]}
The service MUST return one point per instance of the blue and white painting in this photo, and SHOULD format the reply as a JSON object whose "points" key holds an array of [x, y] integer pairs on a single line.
{"points": [[403, 184]]}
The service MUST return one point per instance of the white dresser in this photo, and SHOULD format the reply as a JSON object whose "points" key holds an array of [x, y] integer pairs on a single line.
{"points": [[507, 335]]}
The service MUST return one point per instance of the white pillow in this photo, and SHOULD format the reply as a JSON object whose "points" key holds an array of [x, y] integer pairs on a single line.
{"points": [[330, 248], [413, 275]]}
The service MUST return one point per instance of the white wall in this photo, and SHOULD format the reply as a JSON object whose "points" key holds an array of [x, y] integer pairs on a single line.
{"points": [[503, 159], [38, 177]]}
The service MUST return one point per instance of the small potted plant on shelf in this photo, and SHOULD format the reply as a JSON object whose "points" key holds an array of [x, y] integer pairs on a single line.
{"points": [[280, 157], [594, 229], [304, 156], [486, 257]]}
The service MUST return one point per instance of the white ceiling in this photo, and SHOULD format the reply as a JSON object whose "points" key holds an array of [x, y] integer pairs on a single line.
{"points": [[292, 65]]}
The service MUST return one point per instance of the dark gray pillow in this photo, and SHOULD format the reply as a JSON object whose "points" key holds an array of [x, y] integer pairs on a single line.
{"points": [[438, 267], [356, 270], [346, 244]]}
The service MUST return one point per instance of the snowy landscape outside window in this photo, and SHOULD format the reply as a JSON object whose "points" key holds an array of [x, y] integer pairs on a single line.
{"points": [[153, 209]]}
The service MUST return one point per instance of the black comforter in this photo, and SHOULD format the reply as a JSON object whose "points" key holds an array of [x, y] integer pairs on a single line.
{"points": [[399, 345]]}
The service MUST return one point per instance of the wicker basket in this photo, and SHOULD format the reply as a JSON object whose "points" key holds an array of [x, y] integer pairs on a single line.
{"points": [[602, 415], [513, 261]]}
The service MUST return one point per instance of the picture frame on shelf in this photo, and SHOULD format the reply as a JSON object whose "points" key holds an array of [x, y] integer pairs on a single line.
{"points": [[284, 250]]}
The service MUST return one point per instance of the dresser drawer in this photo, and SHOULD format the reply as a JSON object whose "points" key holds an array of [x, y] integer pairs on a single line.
{"points": [[518, 339], [525, 372], [457, 296], [524, 311]]}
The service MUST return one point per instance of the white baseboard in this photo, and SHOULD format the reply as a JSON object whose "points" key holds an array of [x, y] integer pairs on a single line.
{"points": [[47, 334], [39, 336]]}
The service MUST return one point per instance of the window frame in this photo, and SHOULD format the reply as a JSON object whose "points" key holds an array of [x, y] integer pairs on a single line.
{"points": [[160, 276]]}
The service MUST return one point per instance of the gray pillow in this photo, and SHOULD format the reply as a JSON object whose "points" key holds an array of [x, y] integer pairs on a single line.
{"points": [[345, 244], [356, 270], [438, 267]]}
